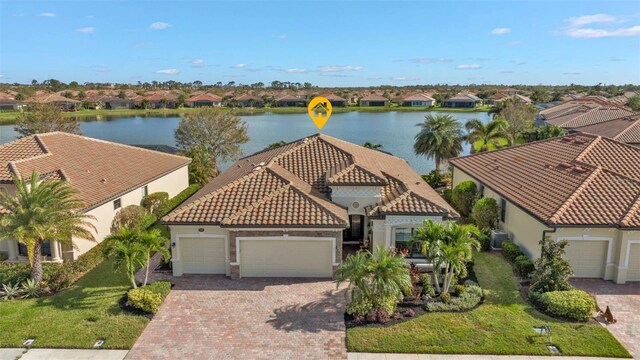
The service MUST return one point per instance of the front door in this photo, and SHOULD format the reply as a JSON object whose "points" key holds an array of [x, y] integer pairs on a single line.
{"points": [[355, 233]]}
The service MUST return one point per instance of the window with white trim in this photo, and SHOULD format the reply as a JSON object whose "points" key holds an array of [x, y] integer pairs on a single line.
{"points": [[117, 204], [403, 241]]}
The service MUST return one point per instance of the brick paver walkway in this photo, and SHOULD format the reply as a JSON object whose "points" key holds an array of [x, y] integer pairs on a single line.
{"points": [[212, 317], [624, 302]]}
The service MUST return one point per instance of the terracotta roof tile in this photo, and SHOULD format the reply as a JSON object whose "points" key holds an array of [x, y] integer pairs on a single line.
{"points": [[99, 170], [577, 179], [625, 129]]}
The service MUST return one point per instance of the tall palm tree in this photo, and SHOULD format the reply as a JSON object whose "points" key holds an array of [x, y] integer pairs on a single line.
{"points": [[125, 248], [489, 133], [42, 211], [440, 138], [153, 242]]}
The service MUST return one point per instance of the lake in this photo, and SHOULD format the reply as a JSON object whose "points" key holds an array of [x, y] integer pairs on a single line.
{"points": [[394, 130]]}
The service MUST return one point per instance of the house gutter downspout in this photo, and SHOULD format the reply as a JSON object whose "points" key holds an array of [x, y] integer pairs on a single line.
{"points": [[544, 235]]}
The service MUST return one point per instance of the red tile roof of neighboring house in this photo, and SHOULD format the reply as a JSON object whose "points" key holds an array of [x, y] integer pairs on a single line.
{"points": [[99, 170], [574, 180], [289, 185], [374, 97], [418, 97], [245, 97], [625, 129], [333, 97], [204, 97], [586, 114], [56, 98]]}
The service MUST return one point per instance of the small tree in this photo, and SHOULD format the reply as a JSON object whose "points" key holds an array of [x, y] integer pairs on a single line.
{"points": [[552, 270], [485, 213], [519, 116], [276, 144], [633, 102], [126, 250], [43, 118], [154, 201], [203, 166], [130, 217], [463, 197], [152, 242]]}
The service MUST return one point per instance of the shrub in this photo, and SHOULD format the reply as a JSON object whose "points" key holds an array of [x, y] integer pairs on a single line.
{"points": [[150, 297], [572, 304], [446, 195], [131, 217], [427, 285], [359, 306], [463, 197], [3, 256], [436, 179], [459, 290], [511, 251], [470, 297], [485, 213], [523, 266], [177, 200], [10, 291], [15, 273], [145, 300], [552, 271], [445, 298], [154, 201], [409, 313], [30, 289], [485, 240]]}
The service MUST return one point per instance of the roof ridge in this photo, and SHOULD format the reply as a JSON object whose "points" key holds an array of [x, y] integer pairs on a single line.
{"points": [[573, 197], [633, 124], [589, 147], [112, 143], [311, 199], [255, 204]]}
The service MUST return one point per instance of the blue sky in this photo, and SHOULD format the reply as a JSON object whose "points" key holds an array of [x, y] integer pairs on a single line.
{"points": [[325, 43]]}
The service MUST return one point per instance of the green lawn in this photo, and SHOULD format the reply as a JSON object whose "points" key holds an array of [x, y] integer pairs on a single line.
{"points": [[76, 318], [502, 325], [502, 142]]}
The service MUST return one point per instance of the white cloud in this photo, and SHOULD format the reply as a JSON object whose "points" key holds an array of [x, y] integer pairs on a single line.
{"points": [[404, 78], [590, 19], [100, 69], [282, 36], [500, 31], [142, 44], [513, 43], [296, 71], [239, 66], [47, 14], [168, 71], [588, 33], [197, 62], [339, 68], [86, 30], [468, 67], [159, 25], [427, 60]]}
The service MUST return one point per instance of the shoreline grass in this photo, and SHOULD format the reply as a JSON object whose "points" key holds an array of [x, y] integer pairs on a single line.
{"points": [[9, 117]]}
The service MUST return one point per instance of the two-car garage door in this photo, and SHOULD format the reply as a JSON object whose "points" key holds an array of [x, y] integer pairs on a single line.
{"points": [[286, 258]]}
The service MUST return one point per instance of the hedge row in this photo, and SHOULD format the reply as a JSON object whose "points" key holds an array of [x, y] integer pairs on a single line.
{"points": [[522, 265], [574, 305], [169, 205]]}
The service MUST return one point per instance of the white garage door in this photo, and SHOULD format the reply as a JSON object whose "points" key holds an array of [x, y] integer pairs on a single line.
{"points": [[633, 268], [286, 258], [202, 255], [588, 258]]}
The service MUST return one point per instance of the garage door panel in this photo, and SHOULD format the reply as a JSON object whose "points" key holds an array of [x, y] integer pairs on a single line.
{"points": [[588, 258], [286, 258], [202, 255], [633, 267]]}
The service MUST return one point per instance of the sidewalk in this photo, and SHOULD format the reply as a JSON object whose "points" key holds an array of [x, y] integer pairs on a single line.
{"points": [[61, 354], [377, 356]]}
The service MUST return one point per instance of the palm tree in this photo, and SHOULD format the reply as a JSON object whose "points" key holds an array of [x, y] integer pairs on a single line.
{"points": [[489, 133], [42, 211], [449, 246], [440, 138], [153, 242], [354, 269], [371, 145], [125, 248]]}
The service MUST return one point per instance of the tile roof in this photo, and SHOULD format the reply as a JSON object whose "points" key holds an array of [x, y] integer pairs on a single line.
{"points": [[625, 129], [464, 97], [333, 97], [418, 97], [289, 185], [374, 97], [99, 170], [204, 97], [586, 114], [578, 179]]}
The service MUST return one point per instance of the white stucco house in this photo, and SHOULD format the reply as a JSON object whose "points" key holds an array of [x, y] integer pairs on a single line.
{"points": [[581, 188], [108, 176], [288, 211]]}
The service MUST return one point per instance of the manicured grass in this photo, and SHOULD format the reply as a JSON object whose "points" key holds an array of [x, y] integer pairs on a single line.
{"points": [[502, 325], [502, 142], [76, 318]]}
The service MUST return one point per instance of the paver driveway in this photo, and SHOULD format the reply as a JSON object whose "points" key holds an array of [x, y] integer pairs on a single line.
{"points": [[624, 302], [212, 317]]}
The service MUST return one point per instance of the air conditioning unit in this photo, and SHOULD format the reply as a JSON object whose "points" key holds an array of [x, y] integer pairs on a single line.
{"points": [[497, 237]]}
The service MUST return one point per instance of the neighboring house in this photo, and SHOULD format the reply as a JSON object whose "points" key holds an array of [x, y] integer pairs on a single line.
{"points": [[115, 103], [161, 100], [246, 100], [335, 100], [9, 104], [204, 99], [417, 100], [462, 101], [581, 188], [496, 98], [625, 129], [290, 100], [374, 100], [288, 211], [108, 176], [578, 114], [62, 102]]}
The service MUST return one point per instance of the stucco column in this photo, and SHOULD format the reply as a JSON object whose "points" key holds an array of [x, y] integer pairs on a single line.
{"points": [[13, 249], [387, 236], [55, 251]]}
